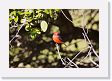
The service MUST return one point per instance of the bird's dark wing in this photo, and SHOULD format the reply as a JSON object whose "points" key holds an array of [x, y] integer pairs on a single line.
{"points": [[60, 38]]}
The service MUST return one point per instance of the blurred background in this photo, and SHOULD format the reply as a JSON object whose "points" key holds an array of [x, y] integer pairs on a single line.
{"points": [[31, 44]]}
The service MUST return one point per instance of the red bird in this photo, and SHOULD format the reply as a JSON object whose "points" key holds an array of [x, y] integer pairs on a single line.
{"points": [[56, 38]]}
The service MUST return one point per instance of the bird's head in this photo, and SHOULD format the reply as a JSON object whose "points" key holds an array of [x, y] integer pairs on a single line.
{"points": [[56, 33]]}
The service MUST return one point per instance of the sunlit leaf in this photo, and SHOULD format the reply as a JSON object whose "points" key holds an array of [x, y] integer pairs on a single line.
{"points": [[16, 19], [46, 11], [10, 19], [39, 15], [20, 13], [44, 26], [13, 13], [23, 20], [27, 28], [27, 12], [33, 36]]}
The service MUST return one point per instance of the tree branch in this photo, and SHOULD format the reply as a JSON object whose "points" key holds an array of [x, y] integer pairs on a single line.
{"points": [[57, 46], [16, 33], [86, 40]]}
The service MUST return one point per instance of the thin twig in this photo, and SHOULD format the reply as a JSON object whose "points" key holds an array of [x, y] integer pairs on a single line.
{"points": [[17, 33], [86, 39], [13, 26], [73, 63], [95, 52], [66, 16], [63, 60], [83, 26], [92, 60], [76, 56], [90, 43], [57, 46], [66, 61], [86, 55], [85, 34]]}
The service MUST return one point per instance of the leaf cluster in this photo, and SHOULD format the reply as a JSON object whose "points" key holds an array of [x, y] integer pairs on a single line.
{"points": [[36, 20]]}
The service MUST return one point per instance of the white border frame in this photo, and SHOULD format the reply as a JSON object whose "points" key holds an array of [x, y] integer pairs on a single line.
{"points": [[102, 71]]}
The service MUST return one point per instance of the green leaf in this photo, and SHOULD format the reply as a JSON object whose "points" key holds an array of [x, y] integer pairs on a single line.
{"points": [[30, 19], [27, 12], [34, 32], [33, 35], [46, 11], [23, 20], [10, 19], [44, 26], [39, 11], [27, 28], [16, 19], [39, 15], [13, 13], [20, 13], [58, 10], [37, 31]]}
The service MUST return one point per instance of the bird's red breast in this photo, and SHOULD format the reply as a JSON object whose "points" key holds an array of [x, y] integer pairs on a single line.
{"points": [[56, 38]]}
